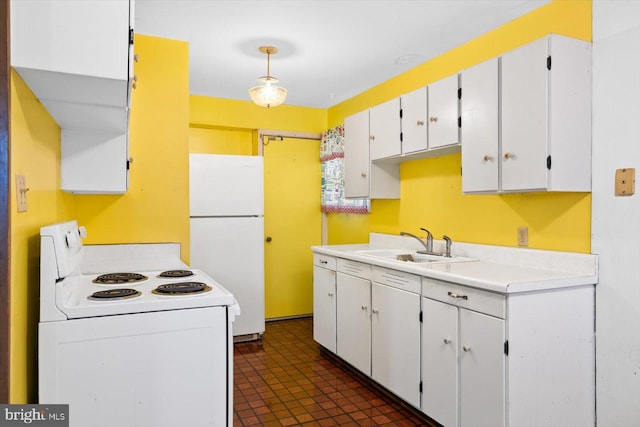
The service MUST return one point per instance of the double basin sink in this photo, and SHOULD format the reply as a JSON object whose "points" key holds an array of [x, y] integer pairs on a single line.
{"points": [[412, 256]]}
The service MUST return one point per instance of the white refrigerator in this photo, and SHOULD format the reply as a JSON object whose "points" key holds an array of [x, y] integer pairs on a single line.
{"points": [[227, 230]]}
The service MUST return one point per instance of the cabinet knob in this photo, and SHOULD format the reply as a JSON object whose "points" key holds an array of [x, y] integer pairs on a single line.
{"points": [[466, 348], [374, 311], [364, 175], [364, 307], [447, 341], [508, 156], [487, 157], [420, 123], [372, 137], [433, 119], [330, 294]]}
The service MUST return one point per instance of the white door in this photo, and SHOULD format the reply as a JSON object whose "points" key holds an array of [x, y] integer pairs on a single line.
{"points": [[479, 134], [395, 341], [356, 155], [384, 129], [324, 307], [443, 112], [482, 370], [440, 361], [414, 121], [353, 328], [524, 117]]}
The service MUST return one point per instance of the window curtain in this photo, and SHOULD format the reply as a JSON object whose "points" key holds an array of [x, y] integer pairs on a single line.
{"points": [[332, 159]]}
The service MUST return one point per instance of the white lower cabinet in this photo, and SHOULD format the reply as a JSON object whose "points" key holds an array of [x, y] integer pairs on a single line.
{"points": [[395, 338], [324, 301], [463, 366]]}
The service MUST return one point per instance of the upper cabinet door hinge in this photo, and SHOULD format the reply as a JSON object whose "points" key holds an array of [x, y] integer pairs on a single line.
{"points": [[401, 113], [130, 35], [459, 121], [506, 348], [420, 316], [400, 136], [549, 62], [549, 162], [420, 387], [459, 93]]}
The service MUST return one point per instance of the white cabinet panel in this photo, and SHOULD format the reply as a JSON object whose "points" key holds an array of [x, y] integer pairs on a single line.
{"points": [[524, 117], [384, 129], [443, 112], [356, 155], [482, 370], [353, 340], [395, 341], [479, 132], [324, 307], [414, 121], [440, 361]]}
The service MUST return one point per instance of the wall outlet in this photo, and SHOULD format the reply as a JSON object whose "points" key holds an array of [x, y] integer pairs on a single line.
{"points": [[523, 236]]}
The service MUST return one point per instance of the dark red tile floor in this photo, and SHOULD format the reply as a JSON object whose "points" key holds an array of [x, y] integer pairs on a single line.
{"points": [[286, 380]]}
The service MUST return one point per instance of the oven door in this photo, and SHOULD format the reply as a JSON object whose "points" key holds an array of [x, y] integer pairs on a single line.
{"points": [[161, 369]]}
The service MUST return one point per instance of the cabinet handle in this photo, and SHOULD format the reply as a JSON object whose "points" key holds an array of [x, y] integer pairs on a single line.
{"points": [[466, 348], [447, 341], [330, 294], [321, 261], [364, 307], [374, 311], [454, 295], [372, 137], [433, 119], [487, 157], [364, 175], [420, 123], [508, 156]]}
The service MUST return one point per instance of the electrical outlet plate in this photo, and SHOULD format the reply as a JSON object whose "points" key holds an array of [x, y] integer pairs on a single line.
{"points": [[625, 182], [21, 193], [523, 236]]}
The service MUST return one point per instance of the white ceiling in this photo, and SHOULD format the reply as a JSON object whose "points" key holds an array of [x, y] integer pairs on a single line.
{"points": [[329, 50]]}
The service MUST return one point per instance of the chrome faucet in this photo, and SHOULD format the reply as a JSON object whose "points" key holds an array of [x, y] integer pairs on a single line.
{"points": [[448, 249], [429, 244]]}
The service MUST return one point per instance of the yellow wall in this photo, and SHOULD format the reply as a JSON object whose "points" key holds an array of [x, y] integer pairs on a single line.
{"points": [[35, 153], [156, 206], [431, 188], [221, 141]]}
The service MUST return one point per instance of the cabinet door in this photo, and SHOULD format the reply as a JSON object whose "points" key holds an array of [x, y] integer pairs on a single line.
{"points": [[414, 121], [384, 129], [443, 112], [524, 117], [324, 307], [395, 341], [482, 370], [353, 340], [479, 132], [440, 361], [356, 155]]}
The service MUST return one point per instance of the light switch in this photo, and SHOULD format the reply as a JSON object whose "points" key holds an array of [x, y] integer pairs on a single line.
{"points": [[625, 181], [21, 192]]}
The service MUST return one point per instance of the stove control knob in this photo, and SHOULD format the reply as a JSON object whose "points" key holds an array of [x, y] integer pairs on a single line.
{"points": [[82, 231]]}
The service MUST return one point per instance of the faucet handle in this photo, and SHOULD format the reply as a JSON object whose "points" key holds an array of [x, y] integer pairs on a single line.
{"points": [[426, 231], [447, 240]]}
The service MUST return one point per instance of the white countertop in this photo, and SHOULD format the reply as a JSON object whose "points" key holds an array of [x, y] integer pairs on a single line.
{"points": [[497, 268]]}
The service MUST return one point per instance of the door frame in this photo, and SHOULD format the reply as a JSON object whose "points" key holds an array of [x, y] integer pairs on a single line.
{"points": [[315, 136]]}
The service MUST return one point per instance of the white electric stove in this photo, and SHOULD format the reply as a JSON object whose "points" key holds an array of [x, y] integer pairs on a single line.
{"points": [[130, 336]]}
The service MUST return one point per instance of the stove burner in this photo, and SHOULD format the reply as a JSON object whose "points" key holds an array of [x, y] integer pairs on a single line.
{"points": [[112, 294], [118, 278], [173, 274], [181, 288]]}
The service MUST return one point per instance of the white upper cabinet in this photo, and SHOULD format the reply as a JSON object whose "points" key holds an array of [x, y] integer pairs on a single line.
{"points": [[443, 112], [356, 155], [414, 121], [384, 129], [75, 52], [546, 116], [479, 131]]}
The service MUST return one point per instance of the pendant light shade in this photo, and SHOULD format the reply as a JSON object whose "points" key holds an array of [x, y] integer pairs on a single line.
{"points": [[269, 94]]}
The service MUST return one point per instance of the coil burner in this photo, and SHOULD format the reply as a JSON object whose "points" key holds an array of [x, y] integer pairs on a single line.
{"points": [[119, 278], [182, 288]]}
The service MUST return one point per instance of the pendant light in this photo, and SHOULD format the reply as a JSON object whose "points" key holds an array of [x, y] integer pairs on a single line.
{"points": [[268, 95]]}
